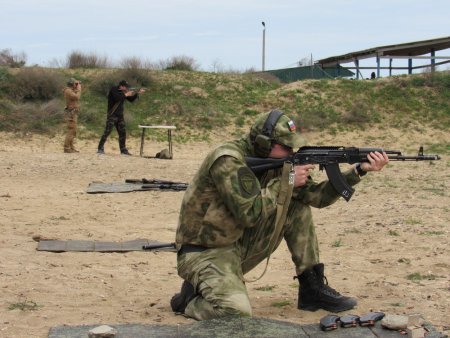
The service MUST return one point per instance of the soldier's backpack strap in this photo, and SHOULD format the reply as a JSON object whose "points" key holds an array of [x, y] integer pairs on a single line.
{"points": [[113, 109], [283, 200]]}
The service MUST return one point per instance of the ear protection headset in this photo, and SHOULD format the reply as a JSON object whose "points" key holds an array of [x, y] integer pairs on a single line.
{"points": [[263, 141]]}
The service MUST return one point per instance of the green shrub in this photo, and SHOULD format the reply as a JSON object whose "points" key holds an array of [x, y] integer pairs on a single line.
{"points": [[31, 116], [181, 63], [81, 60], [9, 59], [4, 78], [35, 84], [135, 77], [102, 83]]}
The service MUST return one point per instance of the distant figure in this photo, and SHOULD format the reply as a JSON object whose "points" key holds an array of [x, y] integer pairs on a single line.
{"points": [[373, 76], [72, 94], [116, 97]]}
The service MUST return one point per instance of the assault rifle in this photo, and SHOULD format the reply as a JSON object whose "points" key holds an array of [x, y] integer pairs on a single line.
{"points": [[329, 158], [155, 184], [136, 89]]}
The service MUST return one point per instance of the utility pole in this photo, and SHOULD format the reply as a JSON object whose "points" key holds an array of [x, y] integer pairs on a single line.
{"points": [[264, 47]]}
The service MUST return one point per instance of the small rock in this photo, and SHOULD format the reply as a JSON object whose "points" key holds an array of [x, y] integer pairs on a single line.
{"points": [[401, 322], [415, 332], [415, 320], [103, 331], [395, 322]]}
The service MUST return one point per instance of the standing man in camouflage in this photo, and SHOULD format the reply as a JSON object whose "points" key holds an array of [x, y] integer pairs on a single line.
{"points": [[116, 98], [231, 220], [72, 94]]}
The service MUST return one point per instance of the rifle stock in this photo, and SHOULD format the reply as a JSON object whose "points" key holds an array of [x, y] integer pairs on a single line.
{"points": [[329, 158]]}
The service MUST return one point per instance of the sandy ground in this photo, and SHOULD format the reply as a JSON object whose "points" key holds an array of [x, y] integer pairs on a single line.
{"points": [[396, 225]]}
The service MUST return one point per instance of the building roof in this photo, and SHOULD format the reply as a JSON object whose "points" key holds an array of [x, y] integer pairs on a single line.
{"points": [[405, 49]]}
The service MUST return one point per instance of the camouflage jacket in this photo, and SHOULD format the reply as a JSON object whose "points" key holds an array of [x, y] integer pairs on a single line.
{"points": [[225, 197], [72, 97]]}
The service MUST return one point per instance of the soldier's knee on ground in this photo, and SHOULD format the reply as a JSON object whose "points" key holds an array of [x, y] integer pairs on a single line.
{"points": [[236, 305]]}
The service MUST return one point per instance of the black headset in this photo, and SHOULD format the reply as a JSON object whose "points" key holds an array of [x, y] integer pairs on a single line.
{"points": [[263, 142]]}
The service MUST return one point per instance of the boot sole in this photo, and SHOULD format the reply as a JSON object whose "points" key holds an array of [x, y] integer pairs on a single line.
{"points": [[325, 307]]}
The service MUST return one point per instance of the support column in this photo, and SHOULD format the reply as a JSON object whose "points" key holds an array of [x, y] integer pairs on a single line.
{"points": [[378, 66], [357, 68], [433, 61]]}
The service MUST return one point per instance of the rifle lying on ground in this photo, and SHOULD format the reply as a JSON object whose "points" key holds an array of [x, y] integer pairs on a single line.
{"points": [[155, 184], [328, 158], [159, 246]]}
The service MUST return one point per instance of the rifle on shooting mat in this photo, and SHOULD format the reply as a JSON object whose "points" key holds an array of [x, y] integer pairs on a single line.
{"points": [[329, 158], [159, 246]]}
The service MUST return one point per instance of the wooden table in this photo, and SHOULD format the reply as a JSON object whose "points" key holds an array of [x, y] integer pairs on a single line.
{"points": [[169, 136]]}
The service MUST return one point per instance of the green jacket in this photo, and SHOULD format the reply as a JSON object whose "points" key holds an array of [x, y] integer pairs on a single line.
{"points": [[225, 197]]}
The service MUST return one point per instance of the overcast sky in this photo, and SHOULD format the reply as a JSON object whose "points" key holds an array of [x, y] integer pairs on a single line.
{"points": [[225, 33]]}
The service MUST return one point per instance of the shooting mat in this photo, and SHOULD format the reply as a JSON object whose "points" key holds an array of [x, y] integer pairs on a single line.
{"points": [[97, 246], [229, 327]]}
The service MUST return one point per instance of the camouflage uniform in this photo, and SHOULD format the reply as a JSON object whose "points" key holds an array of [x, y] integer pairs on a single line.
{"points": [[231, 212], [115, 118], [72, 97]]}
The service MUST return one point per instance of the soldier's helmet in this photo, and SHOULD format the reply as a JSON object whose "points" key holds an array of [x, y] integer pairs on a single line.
{"points": [[277, 127]]}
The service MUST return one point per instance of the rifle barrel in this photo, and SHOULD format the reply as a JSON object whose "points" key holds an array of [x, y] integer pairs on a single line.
{"points": [[158, 246], [415, 158]]}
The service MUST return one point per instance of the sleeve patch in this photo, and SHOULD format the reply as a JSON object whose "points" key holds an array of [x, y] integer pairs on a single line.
{"points": [[248, 182]]}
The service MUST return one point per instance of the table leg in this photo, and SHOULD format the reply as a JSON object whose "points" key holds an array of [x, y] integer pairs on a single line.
{"points": [[169, 136], [142, 142]]}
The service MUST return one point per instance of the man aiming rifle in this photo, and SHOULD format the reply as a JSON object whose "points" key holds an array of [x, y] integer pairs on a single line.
{"points": [[114, 117], [231, 219], [237, 210]]}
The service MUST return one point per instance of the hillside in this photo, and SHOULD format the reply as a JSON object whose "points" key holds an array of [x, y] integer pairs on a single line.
{"points": [[201, 103]]}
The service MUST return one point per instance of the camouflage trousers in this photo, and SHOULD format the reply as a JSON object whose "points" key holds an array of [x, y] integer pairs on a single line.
{"points": [[217, 273], [119, 123], [71, 119]]}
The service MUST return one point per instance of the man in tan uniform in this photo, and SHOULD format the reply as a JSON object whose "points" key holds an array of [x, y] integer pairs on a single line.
{"points": [[231, 220], [72, 94]]}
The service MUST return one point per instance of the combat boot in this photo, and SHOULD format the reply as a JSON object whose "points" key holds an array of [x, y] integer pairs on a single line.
{"points": [[314, 292], [180, 300]]}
